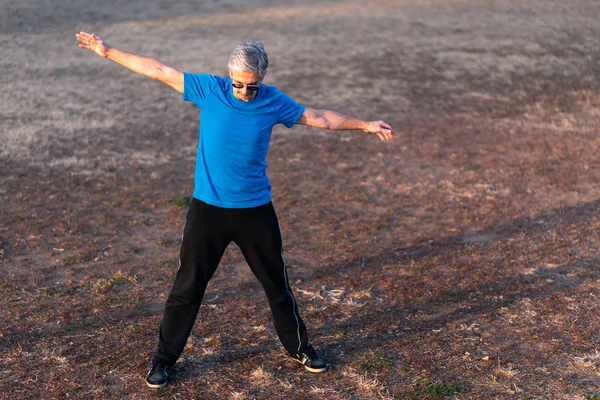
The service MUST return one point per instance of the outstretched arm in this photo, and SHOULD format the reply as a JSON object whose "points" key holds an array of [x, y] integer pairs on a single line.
{"points": [[331, 120], [142, 65]]}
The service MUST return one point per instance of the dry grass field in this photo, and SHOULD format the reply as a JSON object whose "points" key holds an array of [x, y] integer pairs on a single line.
{"points": [[458, 261]]}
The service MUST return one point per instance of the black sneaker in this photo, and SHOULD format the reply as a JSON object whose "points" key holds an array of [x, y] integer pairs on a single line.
{"points": [[311, 361], [157, 376]]}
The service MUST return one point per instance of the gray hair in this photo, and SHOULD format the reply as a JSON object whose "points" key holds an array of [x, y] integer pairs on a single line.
{"points": [[249, 56]]}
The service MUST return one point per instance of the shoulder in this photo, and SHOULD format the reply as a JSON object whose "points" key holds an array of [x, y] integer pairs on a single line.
{"points": [[273, 91], [203, 78], [197, 88], [201, 86], [277, 95]]}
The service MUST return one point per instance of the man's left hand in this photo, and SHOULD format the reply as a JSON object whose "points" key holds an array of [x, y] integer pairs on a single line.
{"points": [[381, 129]]}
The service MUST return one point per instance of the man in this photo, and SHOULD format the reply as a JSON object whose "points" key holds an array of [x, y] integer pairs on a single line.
{"points": [[232, 194]]}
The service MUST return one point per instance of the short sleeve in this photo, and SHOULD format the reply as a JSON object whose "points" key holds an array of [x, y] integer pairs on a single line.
{"points": [[289, 110], [196, 87]]}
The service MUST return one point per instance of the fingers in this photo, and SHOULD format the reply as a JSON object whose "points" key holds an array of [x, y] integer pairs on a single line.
{"points": [[384, 135], [385, 125], [385, 131], [87, 38], [84, 39], [91, 42], [81, 36]]}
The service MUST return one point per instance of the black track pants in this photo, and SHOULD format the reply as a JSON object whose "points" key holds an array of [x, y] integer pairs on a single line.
{"points": [[208, 231]]}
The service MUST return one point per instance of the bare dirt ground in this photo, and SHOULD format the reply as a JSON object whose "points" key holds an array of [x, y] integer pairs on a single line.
{"points": [[459, 260]]}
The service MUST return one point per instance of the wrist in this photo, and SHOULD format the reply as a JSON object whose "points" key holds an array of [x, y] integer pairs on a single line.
{"points": [[106, 52]]}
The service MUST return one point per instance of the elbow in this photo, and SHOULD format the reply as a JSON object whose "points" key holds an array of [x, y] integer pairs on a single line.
{"points": [[158, 72], [325, 124], [154, 73], [322, 122]]}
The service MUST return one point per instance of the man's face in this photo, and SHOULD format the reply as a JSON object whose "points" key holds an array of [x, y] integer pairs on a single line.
{"points": [[246, 82]]}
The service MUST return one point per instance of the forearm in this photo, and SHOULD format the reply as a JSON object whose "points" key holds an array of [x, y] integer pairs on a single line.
{"points": [[335, 121], [142, 65]]}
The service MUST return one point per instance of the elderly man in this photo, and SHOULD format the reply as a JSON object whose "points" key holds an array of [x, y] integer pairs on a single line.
{"points": [[232, 193]]}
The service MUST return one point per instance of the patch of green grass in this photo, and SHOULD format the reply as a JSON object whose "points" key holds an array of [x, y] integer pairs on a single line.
{"points": [[431, 389], [166, 242], [78, 259], [36, 227], [375, 362], [543, 171], [180, 201], [472, 167], [586, 274], [54, 292], [117, 279], [168, 263], [130, 327]]}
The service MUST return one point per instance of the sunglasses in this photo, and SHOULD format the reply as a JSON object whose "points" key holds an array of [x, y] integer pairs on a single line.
{"points": [[249, 88]]}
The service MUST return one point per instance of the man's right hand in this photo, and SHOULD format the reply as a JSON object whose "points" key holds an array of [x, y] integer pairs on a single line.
{"points": [[93, 43]]}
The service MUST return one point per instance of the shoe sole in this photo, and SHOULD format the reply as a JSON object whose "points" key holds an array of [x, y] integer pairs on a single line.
{"points": [[156, 385], [313, 370]]}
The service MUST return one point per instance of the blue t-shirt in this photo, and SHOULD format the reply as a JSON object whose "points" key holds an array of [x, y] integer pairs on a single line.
{"points": [[234, 139]]}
